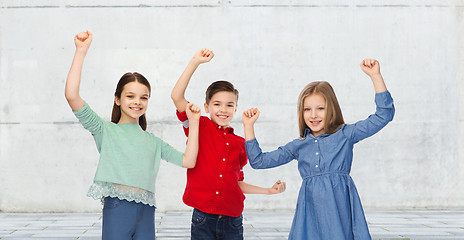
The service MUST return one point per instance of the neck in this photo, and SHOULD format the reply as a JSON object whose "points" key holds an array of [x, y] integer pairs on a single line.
{"points": [[128, 120]]}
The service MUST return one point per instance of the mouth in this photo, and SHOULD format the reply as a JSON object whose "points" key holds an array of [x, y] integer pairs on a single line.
{"points": [[135, 108], [222, 116], [315, 123]]}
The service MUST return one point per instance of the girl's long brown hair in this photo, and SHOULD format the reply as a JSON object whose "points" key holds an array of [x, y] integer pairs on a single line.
{"points": [[125, 79], [333, 117]]}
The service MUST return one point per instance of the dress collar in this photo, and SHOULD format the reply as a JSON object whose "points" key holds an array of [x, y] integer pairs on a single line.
{"points": [[308, 133]]}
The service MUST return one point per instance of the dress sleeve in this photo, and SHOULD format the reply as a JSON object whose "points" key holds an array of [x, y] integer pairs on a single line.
{"points": [[170, 154], [90, 120], [384, 113], [260, 160]]}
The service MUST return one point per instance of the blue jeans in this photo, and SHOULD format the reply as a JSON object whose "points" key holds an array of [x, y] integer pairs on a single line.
{"points": [[207, 226], [124, 220]]}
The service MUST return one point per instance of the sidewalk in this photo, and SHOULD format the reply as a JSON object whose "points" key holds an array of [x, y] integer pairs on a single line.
{"points": [[408, 224]]}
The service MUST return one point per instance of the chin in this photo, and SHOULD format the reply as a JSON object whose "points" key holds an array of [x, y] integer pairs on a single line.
{"points": [[222, 124]]}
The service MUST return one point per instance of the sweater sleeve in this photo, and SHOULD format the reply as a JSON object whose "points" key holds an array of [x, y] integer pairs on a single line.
{"points": [[170, 154], [91, 121]]}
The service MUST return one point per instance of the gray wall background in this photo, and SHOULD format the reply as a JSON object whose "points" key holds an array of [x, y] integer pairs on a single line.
{"points": [[269, 49]]}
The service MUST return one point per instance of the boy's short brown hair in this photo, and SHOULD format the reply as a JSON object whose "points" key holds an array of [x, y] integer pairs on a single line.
{"points": [[220, 86]]}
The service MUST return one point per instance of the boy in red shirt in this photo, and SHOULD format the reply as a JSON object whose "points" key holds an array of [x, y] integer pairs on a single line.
{"points": [[215, 186]]}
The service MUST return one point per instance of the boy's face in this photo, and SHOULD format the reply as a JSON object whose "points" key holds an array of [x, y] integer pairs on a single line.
{"points": [[222, 107]]}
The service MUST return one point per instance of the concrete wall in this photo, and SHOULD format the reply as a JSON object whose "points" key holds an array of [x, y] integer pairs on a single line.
{"points": [[269, 50]]}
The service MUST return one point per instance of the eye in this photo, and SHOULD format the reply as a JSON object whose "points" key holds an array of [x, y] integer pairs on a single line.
{"points": [[321, 108], [230, 105], [145, 98], [130, 96], [306, 109], [216, 104]]}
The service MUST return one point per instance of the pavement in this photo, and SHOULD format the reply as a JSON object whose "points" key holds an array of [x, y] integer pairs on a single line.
{"points": [[383, 224]]}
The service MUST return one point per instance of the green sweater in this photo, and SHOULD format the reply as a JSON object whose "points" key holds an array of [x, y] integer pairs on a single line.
{"points": [[128, 155]]}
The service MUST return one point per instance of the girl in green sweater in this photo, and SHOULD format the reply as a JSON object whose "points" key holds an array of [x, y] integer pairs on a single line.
{"points": [[129, 156]]}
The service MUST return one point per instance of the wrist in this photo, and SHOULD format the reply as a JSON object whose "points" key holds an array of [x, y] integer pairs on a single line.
{"points": [[269, 191], [194, 120], [375, 76], [81, 50], [194, 62]]}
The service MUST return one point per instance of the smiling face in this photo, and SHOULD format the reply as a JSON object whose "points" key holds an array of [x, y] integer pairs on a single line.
{"points": [[133, 102], [314, 112], [222, 107]]}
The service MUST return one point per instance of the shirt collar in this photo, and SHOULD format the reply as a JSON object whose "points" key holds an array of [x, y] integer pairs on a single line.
{"points": [[221, 128]]}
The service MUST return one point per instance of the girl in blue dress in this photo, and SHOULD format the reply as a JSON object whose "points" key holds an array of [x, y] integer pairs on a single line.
{"points": [[328, 204]]}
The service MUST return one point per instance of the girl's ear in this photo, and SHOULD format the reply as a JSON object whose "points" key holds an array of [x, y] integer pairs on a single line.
{"points": [[206, 108], [117, 101]]}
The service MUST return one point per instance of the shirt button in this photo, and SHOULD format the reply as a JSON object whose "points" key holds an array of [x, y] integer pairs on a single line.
{"points": [[224, 159], [317, 153], [227, 144], [217, 192], [220, 175], [315, 140], [317, 165], [224, 133]]}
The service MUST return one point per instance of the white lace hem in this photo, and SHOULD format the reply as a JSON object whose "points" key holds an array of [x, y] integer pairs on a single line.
{"points": [[100, 190]]}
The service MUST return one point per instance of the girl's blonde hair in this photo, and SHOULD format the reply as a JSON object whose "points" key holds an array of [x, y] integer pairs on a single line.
{"points": [[333, 117]]}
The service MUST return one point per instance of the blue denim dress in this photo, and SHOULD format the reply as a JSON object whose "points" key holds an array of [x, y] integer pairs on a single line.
{"points": [[328, 204]]}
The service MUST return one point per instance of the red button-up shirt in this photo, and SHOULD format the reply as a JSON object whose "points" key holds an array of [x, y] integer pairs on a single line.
{"points": [[212, 185]]}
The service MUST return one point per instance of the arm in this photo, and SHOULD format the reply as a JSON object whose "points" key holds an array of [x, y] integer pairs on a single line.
{"points": [[279, 187], [256, 157], [372, 68], [191, 151], [249, 118], [178, 92], [82, 41], [385, 109]]}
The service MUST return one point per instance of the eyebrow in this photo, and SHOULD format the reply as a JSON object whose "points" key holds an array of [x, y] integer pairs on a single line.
{"points": [[136, 94], [316, 106], [216, 101]]}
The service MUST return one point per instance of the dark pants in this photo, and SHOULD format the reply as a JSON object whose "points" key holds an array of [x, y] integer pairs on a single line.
{"points": [[207, 226], [123, 220]]}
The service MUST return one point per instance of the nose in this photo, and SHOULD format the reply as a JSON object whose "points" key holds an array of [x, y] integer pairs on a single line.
{"points": [[313, 114], [223, 108]]}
